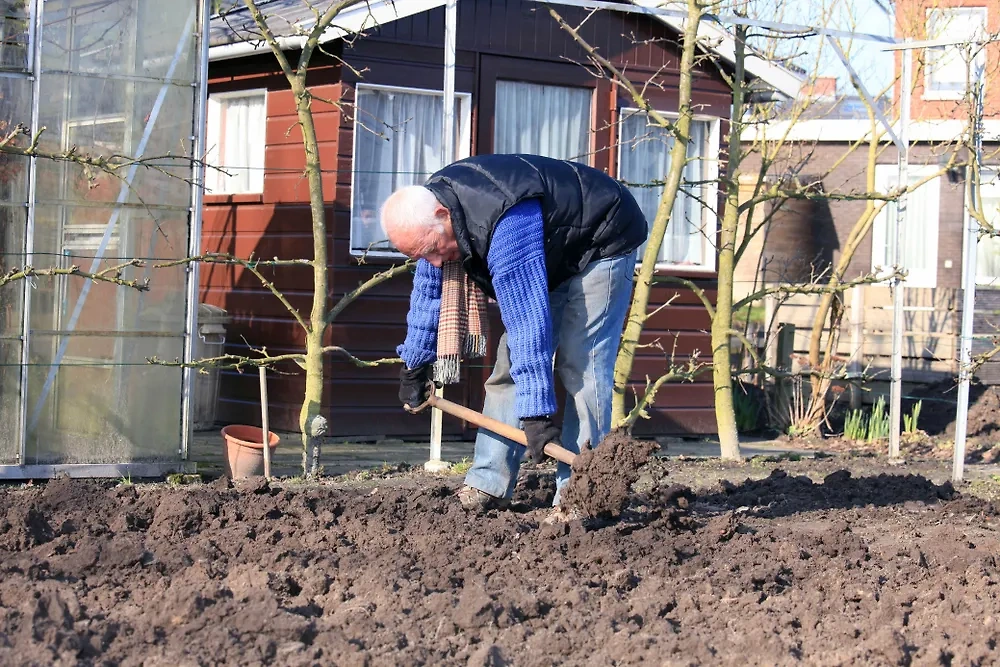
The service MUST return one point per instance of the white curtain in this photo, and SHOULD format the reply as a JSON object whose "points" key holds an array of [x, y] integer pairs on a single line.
{"points": [[244, 143], [988, 250], [919, 231], [236, 130], [644, 163], [397, 143], [553, 121]]}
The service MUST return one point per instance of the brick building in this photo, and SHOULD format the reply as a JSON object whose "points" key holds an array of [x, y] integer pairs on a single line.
{"points": [[829, 147]]}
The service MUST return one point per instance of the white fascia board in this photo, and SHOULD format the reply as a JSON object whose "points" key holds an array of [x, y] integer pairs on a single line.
{"points": [[721, 42], [840, 130], [351, 21]]}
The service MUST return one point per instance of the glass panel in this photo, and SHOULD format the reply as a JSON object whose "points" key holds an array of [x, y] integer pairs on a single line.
{"points": [[82, 36], [105, 403], [161, 28], [70, 236], [553, 121], [15, 108], [12, 226], [397, 143], [93, 117], [101, 38], [10, 412], [645, 161], [14, 35]]}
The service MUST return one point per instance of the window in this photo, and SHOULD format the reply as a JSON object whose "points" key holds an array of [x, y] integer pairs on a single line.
{"points": [[920, 226], [104, 135], [397, 142], [237, 125], [553, 121], [947, 67], [644, 159], [988, 248]]}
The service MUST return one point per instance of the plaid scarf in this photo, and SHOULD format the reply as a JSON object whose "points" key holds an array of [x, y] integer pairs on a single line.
{"points": [[463, 327]]}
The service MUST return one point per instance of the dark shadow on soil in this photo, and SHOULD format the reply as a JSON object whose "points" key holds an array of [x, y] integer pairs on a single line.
{"points": [[782, 495]]}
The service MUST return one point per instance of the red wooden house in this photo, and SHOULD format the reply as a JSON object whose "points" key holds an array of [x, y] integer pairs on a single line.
{"points": [[519, 88]]}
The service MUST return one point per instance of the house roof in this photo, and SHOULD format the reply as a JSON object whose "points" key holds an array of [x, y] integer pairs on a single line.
{"points": [[289, 19]]}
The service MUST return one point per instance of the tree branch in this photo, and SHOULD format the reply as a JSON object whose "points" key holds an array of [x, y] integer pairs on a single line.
{"points": [[375, 280], [111, 275], [698, 291], [252, 267], [814, 288]]}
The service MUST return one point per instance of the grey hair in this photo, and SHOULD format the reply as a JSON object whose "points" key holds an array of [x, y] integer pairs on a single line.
{"points": [[410, 210]]}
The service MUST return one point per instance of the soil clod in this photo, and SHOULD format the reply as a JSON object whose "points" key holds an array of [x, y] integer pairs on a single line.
{"points": [[603, 475]]}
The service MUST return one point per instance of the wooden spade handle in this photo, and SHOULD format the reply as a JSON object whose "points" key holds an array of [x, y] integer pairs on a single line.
{"points": [[557, 452]]}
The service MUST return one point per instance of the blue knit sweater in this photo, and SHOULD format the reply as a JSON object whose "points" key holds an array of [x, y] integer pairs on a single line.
{"points": [[516, 262]]}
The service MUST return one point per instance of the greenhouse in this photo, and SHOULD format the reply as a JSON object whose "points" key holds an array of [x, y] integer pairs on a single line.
{"points": [[117, 83]]}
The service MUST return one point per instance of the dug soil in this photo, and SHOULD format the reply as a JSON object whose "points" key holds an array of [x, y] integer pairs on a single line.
{"points": [[807, 563]]}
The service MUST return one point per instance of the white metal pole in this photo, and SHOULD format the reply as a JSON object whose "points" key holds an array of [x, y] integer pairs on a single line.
{"points": [[434, 463], [265, 422], [896, 370], [35, 64], [968, 288], [194, 240]]}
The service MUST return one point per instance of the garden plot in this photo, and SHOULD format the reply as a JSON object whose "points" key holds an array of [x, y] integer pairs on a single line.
{"points": [[822, 562]]}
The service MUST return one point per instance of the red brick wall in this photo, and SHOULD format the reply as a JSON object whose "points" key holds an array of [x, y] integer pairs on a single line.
{"points": [[911, 21]]}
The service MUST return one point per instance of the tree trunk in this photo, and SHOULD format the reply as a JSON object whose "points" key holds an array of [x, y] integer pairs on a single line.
{"points": [[310, 416], [644, 283], [858, 233], [722, 322]]}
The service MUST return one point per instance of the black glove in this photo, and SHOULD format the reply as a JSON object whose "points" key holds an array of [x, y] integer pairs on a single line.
{"points": [[540, 431], [413, 385]]}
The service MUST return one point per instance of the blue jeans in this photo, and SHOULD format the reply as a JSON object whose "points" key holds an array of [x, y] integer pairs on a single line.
{"points": [[587, 312]]}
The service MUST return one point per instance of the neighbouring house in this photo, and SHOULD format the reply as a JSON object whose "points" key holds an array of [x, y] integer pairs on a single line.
{"points": [[520, 87], [806, 236]]}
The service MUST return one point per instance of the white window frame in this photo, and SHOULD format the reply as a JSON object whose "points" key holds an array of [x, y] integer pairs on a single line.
{"points": [[710, 224], [213, 139], [92, 121], [885, 177], [463, 149], [929, 92], [989, 174]]}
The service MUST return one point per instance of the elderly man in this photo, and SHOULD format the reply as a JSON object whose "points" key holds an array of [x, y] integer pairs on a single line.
{"points": [[554, 242]]}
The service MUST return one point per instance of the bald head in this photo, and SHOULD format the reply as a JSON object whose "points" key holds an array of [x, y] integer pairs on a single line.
{"points": [[419, 226]]}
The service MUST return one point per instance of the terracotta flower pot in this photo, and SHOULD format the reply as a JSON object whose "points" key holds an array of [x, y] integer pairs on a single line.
{"points": [[244, 450]]}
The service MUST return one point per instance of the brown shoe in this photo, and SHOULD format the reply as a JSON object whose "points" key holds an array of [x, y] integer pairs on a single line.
{"points": [[474, 500], [559, 515]]}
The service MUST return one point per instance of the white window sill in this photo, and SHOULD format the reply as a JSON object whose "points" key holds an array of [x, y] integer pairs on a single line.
{"points": [[950, 96], [685, 268], [381, 254]]}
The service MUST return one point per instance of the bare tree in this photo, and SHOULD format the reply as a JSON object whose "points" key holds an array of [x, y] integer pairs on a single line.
{"points": [[316, 322]]}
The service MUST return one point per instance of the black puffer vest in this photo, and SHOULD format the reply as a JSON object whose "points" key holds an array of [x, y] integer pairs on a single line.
{"points": [[588, 215]]}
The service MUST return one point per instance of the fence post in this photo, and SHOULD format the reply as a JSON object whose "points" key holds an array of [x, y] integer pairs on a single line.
{"points": [[770, 306], [857, 342], [784, 348]]}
